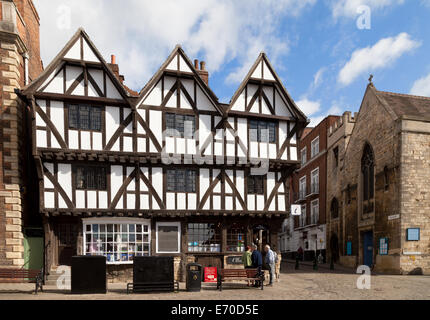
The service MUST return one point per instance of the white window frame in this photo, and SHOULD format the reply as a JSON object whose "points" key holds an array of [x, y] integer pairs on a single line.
{"points": [[91, 221], [315, 177], [304, 154], [315, 204], [302, 218], [169, 224], [313, 147], [302, 191]]}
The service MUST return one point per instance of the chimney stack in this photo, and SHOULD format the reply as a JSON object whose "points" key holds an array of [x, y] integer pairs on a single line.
{"points": [[115, 68], [202, 71]]}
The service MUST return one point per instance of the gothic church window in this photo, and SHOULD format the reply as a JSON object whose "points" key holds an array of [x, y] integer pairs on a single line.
{"points": [[368, 179]]}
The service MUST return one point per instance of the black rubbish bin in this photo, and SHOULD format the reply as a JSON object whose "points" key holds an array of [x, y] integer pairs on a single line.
{"points": [[194, 277]]}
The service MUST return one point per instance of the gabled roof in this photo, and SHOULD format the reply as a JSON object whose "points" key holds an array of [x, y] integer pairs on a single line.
{"points": [[178, 51], [61, 58], [262, 58]]}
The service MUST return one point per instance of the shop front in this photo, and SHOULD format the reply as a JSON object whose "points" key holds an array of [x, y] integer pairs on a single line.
{"points": [[211, 242]]}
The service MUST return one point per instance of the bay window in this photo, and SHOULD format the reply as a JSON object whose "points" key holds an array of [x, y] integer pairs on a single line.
{"points": [[118, 240]]}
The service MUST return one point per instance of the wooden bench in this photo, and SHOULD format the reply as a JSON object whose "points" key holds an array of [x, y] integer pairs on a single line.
{"points": [[22, 275], [225, 275], [153, 287]]}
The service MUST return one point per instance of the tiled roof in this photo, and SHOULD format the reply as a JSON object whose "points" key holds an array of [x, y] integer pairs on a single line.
{"points": [[406, 105]]}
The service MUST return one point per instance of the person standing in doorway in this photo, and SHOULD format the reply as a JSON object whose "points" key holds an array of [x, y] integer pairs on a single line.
{"points": [[247, 260], [270, 261], [257, 262]]}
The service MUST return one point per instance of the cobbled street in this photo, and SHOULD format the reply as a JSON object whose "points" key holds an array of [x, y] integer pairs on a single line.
{"points": [[304, 284]]}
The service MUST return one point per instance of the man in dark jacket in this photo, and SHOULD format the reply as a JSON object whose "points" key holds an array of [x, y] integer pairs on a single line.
{"points": [[257, 262]]}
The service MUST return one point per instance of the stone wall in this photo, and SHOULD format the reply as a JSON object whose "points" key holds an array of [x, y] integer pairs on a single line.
{"points": [[375, 125], [338, 138], [415, 187]]}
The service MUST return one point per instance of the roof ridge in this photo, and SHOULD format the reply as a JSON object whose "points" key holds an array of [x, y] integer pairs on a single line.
{"points": [[404, 95]]}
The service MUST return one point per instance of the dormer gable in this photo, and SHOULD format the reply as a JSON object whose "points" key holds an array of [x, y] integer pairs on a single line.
{"points": [[177, 84], [262, 93], [79, 70]]}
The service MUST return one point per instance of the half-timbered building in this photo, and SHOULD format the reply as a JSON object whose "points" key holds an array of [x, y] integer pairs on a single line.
{"points": [[168, 171]]}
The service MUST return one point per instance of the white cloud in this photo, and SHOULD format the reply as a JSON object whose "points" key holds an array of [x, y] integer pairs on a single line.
{"points": [[421, 87], [142, 32], [383, 54], [318, 77], [314, 111], [309, 107], [348, 8], [425, 3]]}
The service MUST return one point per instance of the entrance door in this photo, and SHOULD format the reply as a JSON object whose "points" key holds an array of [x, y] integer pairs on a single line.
{"points": [[368, 248], [334, 247], [67, 235]]}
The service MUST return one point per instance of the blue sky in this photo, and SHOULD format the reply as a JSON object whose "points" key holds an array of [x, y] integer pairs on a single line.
{"points": [[319, 52]]}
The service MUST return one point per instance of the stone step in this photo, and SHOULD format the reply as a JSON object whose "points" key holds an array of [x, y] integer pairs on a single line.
{"points": [[64, 285]]}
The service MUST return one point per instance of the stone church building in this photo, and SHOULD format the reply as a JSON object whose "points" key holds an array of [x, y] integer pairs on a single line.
{"points": [[378, 185]]}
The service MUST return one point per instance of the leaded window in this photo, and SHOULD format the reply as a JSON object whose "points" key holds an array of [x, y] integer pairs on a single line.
{"points": [[236, 238], [85, 117], [255, 184], [180, 126], [204, 237], [91, 178], [262, 131], [181, 180]]}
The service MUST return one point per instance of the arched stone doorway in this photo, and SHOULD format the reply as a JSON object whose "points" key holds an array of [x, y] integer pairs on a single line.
{"points": [[334, 247]]}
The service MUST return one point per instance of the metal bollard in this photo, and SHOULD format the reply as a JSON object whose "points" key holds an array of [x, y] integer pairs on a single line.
{"points": [[331, 263], [297, 263], [315, 264]]}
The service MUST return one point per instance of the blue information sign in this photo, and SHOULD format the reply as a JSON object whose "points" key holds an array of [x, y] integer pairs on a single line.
{"points": [[413, 234], [349, 248]]}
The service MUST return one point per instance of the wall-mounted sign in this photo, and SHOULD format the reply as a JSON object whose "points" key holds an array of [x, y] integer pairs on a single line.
{"points": [[234, 260], [383, 246], [211, 275], [394, 217], [296, 210], [413, 234]]}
